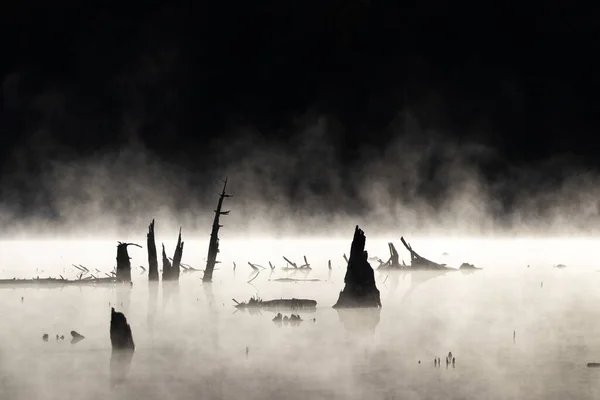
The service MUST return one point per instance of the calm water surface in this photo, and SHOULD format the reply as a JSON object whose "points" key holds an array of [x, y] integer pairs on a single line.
{"points": [[192, 344]]}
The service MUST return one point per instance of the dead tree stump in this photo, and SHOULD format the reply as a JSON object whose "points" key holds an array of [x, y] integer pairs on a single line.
{"points": [[124, 263], [360, 289], [213, 246], [122, 347], [166, 275], [152, 255], [175, 268]]}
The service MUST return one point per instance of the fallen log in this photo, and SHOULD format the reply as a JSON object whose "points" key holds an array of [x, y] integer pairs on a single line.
{"points": [[152, 254], [293, 304], [294, 280], [56, 282], [421, 263], [360, 289]]}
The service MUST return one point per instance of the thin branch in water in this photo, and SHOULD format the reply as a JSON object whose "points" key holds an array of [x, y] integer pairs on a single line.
{"points": [[255, 276]]}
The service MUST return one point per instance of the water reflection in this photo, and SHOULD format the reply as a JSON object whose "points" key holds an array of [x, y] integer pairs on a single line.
{"points": [[360, 321]]}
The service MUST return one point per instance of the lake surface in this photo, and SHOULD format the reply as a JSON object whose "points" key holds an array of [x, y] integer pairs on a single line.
{"points": [[191, 342]]}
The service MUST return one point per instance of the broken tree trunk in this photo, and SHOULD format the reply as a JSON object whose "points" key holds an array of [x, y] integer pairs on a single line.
{"points": [[123, 262], [123, 347], [394, 260], [175, 268], [166, 265], [152, 255], [418, 262], [213, 246], [360, 289]]}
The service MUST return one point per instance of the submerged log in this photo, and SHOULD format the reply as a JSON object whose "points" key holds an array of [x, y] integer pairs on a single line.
{"points": [[360, 289], [418, 262], [175, 268], [76, 337], [152, 255], [56, 282], [123, 347], [294, 280], [166, 265], [124, 262], [213, 246], [291, 304]]}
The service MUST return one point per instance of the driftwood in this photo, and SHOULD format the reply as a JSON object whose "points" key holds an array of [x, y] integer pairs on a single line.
{"points": [[293, 304], [421, 263], [294, 280], [57, 282], [360, 289], [188, 269], [123, 347], [213, 246], [152, 255], [255, 266], [293, 264], [124, 262]]}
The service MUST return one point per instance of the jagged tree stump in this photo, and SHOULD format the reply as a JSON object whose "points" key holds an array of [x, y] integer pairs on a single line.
{"points": [[166, 265], [124, 263], [213, 245], [152, 254], [175, 268], [360, 289], [123, 347]]}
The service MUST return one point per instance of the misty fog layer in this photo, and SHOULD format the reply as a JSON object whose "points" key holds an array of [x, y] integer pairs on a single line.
{"points": [[422, 183], [191, 344]]}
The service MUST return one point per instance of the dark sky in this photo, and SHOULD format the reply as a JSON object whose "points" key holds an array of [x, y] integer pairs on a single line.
{"points": [[522, 80]]}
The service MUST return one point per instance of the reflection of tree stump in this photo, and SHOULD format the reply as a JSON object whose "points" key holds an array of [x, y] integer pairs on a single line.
{"points": [[152, 305], [122, 347], [362, 321], [360, 289]]}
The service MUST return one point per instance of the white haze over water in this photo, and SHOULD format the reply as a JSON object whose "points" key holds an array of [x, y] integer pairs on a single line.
{"points": [[195, 345]]}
